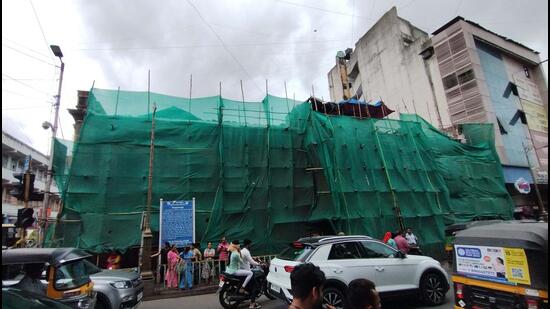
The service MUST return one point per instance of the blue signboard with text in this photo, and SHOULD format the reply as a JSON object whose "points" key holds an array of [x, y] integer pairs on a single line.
{"points": [[177, 222]]}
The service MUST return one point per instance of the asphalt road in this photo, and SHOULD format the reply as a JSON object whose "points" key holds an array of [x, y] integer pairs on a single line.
{"points": [[210, 301]]}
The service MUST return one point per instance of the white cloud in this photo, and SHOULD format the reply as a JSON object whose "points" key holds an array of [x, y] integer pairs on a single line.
{"points": [[114, 43]]}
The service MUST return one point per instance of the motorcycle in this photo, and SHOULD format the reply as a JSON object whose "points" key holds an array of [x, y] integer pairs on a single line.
{"points": [[229, 295]]}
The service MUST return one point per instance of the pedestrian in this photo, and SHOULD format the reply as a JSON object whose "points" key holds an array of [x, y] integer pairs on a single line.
{"points": [[401, 242], [362, 294], [412, 240], [163, 261], [208, 266], [306, 284], [186, 271], [388, 239], [197, 258], [223, 253], [171, 273], [113, 261]]}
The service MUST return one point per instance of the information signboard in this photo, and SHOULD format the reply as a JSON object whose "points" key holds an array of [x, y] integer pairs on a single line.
{"points": [[177, 222]]}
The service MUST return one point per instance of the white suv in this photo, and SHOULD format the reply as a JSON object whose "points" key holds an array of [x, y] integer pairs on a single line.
{"points": [[345, 258]]}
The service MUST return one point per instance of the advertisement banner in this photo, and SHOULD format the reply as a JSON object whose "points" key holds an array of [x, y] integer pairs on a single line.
{"points": [[177, 222], [504, 265], [535, 114]]}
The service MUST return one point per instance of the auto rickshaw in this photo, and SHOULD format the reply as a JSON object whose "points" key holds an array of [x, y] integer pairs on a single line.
{"points": [[65, 277], [502, 265], [451, 230]]}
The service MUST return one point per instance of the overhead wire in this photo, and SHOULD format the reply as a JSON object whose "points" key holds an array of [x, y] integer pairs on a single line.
{"points": [[28, 55], [41, 29], [213, 45], [25, 84], [22, 95], [24, 107], [320, 9], [223, 44], [26, 47]]}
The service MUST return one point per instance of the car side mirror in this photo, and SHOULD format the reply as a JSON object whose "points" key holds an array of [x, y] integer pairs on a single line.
{"points": [[401, 255]]}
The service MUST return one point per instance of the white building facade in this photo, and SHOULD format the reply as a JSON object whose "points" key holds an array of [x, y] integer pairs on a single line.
{"points": [[14, 153]]}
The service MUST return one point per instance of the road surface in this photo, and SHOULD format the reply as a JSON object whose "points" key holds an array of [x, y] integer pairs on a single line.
{"points": [[210, 301]]}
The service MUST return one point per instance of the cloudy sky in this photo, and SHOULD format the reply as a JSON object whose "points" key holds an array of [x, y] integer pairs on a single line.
{"points": [[115, 43]]}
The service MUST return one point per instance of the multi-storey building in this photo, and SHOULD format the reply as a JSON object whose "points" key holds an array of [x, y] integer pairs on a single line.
{"points": [[14, 153], [462, 73]]}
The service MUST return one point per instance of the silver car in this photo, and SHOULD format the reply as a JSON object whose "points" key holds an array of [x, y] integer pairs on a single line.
{"points": [[116, 288]]}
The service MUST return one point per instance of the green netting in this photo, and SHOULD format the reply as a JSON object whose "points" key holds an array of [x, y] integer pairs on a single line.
{"points": [[271, 171]]}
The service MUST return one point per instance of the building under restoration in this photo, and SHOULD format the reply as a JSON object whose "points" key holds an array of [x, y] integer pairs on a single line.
{"points": [[271, 171]]}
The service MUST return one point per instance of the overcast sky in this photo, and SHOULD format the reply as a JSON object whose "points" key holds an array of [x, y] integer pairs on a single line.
{"points": [[114, 43]]}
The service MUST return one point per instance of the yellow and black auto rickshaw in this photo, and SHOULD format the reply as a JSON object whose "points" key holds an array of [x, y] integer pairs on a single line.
{"points": [[451, 230], [502, 265], [65, 277]]}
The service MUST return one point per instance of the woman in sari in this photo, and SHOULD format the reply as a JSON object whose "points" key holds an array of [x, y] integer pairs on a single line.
{"points": [[388, 239], [171, 272]]}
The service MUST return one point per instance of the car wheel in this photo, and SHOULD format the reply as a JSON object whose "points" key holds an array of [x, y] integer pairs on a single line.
{"points": [[432, 287], [335, 297]]}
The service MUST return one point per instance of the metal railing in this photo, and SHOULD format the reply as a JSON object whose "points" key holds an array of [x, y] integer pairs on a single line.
{"points": [[207, 271]]}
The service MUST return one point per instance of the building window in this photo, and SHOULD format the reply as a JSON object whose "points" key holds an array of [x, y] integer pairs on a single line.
{"points": [[519, 115], [510, 88], [4, 161], [526, 70], [466, 76], [450, 81], [501, 127]]}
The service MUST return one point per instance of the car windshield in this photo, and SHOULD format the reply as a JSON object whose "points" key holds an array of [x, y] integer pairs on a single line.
{"points": [[71, 275], [14, 299], [295, 253], [91, 268]]}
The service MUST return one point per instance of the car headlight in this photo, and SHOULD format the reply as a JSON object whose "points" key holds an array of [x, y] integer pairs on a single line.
{"points": [[122, 284]]}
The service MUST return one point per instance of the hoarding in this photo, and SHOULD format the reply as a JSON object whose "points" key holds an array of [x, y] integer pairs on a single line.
{"points": [[505, 265]]}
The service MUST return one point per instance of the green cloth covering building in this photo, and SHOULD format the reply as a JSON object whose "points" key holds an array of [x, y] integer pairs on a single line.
{"points": [[271, 171]]}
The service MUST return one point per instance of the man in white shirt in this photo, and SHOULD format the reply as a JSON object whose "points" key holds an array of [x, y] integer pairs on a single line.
{"points": [[31, 281], [247, 257], [247, 261], [412, 240]]}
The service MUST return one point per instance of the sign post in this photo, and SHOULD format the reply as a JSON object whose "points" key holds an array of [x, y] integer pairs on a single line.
{"points": [[177, 222]]}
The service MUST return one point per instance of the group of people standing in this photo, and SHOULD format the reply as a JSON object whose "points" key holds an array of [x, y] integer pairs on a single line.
{"points": [[177, 268], [403, 242]]}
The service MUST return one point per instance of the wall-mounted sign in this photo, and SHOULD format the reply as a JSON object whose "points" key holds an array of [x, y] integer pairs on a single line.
{"points": [[522, 186]]}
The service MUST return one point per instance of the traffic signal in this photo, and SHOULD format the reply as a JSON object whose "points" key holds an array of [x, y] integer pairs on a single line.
{"points": [[24, 217], [18, 190]]}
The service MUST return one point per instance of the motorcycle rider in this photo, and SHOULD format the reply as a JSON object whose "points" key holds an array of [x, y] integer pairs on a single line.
{"points": [[234, 267], [247, 261]]}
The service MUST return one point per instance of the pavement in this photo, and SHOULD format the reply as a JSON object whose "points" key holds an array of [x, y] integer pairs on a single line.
{"points": [[210, 301]]}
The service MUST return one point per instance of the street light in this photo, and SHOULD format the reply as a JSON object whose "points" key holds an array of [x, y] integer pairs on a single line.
{"points": [[56, 51], [44, 215]]}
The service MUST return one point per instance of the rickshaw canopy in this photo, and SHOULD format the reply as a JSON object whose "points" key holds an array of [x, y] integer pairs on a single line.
{"points": [[513, 234], [51, 256]]}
